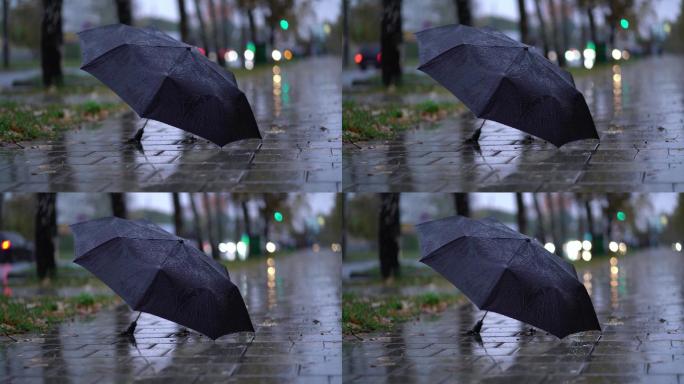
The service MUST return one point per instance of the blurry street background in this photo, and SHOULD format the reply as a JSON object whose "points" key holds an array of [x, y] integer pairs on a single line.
{"points": [[63, 130], [404, 132], [403, 322], [59, 322]]}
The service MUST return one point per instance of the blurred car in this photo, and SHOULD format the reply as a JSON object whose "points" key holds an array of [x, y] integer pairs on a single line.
{"points": [[14, 247], [368, 56]]}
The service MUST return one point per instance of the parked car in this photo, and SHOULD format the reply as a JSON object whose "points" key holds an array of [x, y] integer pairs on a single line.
{"points": [[14, 247], [369, 56]]}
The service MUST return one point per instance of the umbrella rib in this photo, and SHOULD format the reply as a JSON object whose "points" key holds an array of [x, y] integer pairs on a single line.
{"points": [[495, 285], [99, 57], [161, 83], [432, 60], [500, 82]]}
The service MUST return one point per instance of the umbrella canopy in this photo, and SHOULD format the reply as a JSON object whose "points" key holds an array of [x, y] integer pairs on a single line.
{"points": [[503, 271], [504, 80], [159, 273], [169, 81]]}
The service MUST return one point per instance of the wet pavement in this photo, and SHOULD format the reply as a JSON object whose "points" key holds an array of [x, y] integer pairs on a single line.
{"points": [[295, 308], [639, 303], [298, 109], [638, 109]]}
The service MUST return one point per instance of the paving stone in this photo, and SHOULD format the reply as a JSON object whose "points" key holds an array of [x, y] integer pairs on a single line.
{"points": [[301, 131], [640, 143], [298, 337]]}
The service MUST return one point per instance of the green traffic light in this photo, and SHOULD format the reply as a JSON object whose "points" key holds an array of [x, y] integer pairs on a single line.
{"points": [[591, 45], [284, 24], [621, 216], [251, 47], [278, 216], [624, 23]]}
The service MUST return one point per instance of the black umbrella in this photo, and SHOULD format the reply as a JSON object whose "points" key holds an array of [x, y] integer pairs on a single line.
{"points": [[509, 273], [504, 80], [159, 273], [169, 81]]}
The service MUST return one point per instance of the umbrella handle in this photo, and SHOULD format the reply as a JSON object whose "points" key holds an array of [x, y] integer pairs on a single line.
{"points": [[139, 134], [478, 326]]}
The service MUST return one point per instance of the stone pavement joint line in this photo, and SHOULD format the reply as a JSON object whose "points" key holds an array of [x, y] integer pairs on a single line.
{"points": [[300, 151], [641, 310], [295, 340], [640, 120]]}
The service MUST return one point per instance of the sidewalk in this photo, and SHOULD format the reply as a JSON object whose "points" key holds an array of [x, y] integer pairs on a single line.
{"points": [[298, 337], [639, 116], [299, 119], [641, 310]]}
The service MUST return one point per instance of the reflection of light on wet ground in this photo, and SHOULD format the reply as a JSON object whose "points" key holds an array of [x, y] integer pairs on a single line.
{"points": [[277, 91], [587, 282], [617, 89], [271, 282], [614, 282]]}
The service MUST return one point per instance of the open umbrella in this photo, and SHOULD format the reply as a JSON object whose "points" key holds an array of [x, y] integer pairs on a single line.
{"points": [[159, 273], [504, 80], [504, 271], [169, 81]]}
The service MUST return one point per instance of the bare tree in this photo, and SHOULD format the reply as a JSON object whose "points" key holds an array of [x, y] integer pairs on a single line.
{"points": [[202, 27], [45, 231], [210, 226], [590, 219], [196, 222], [524, 30], [177, 214], [246, 219], [550, 204], [118, 202], [51, 43], [124, 11], [558, 48], [248, 6], [462, 204], [5, 34], [220, 210], [388, 235], [463, 13], [521, 214], [345, 41], [225, 39], [542, 27], [390, 39], [215, 32], [183, 21], [541, 233]]}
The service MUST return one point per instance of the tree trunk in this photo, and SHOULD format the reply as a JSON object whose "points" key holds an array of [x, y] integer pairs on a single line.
{"points": [[245, 218], [562, 218], [203, 30], [552, 220], [592, 22], [196, 222], [463, 13], [252, 25], [560, 52], [522, 218], [542, 27], [51, 43], [45, 231], [210, 227], [225, 39], [215, 34], [220, 210], [5, 34], [564, 25], [343, 198], [124, 11], [590, 220], [118, 201], [388, 235], [345, 40], [524, 32], [177, 214], [2, 205], [183, 21], [390, 39], [541, 233], [462, 204]]}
